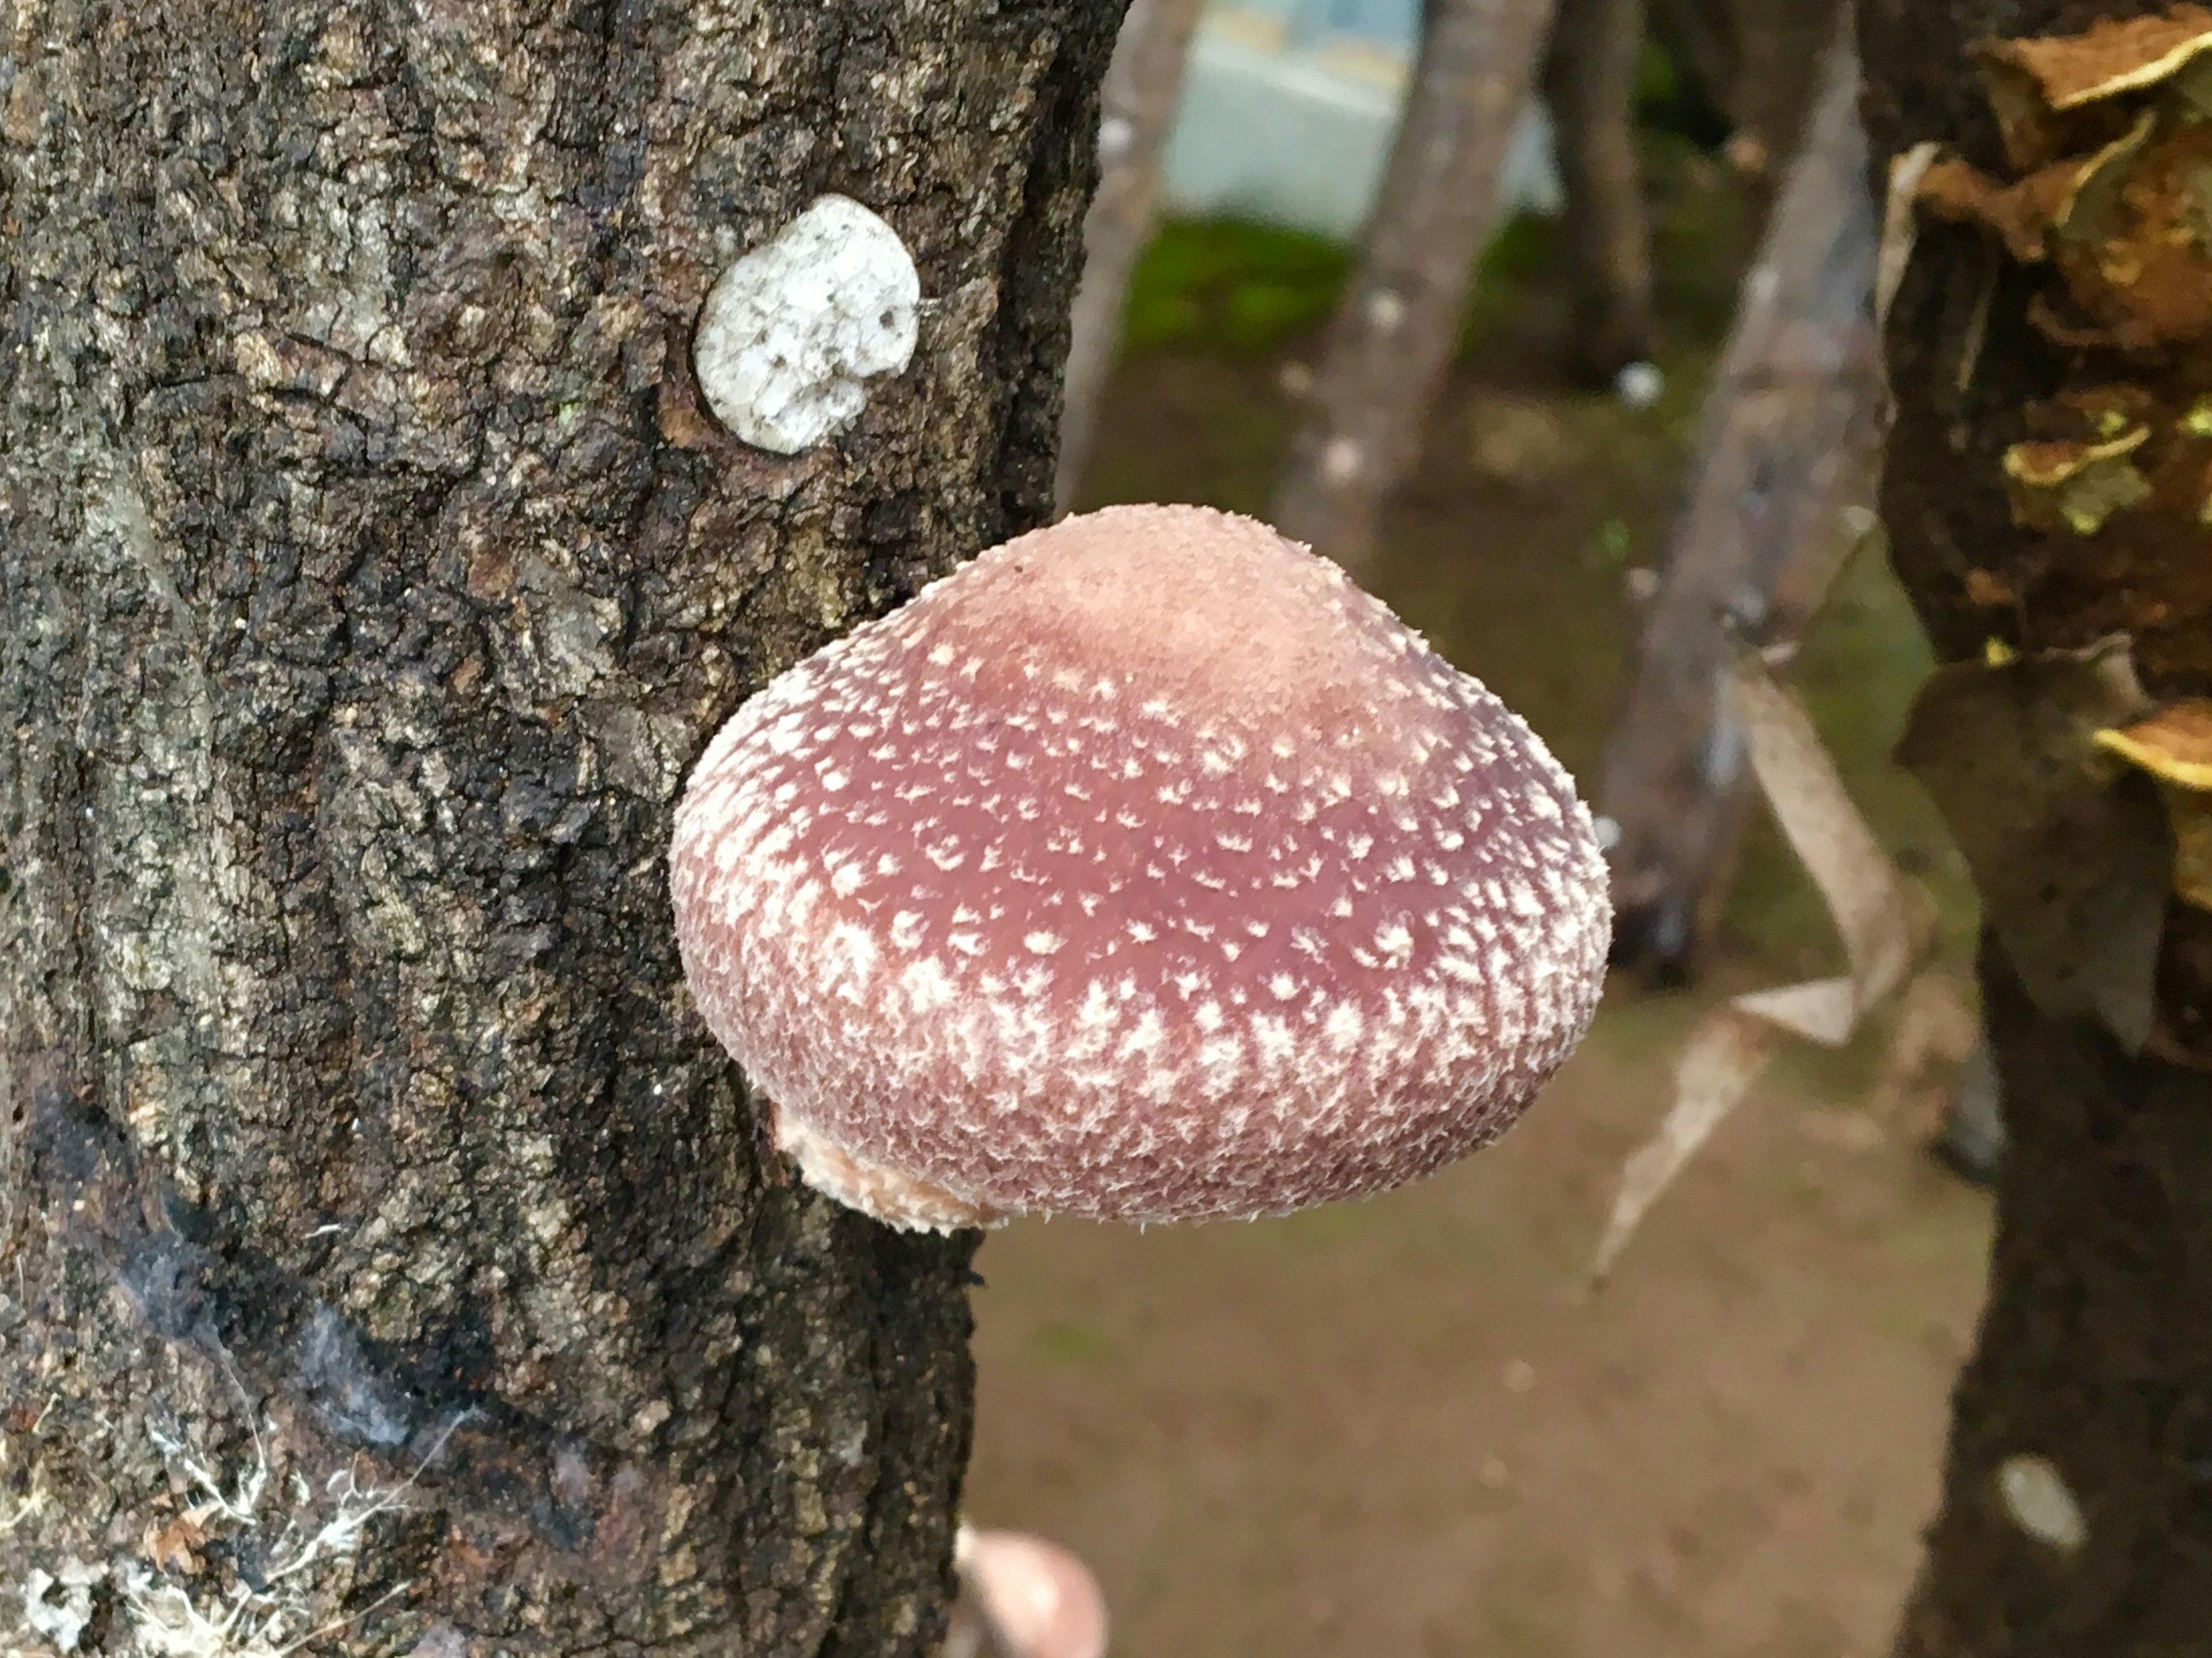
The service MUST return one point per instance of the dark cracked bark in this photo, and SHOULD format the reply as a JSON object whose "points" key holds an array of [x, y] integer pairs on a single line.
{"points": [[2093, 1363], [384, 1248]]}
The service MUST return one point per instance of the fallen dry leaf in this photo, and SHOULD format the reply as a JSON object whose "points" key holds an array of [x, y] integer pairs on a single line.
{"points": [[1883, 919], [1936, 1029], [1886, 922], [1724, 1054]]}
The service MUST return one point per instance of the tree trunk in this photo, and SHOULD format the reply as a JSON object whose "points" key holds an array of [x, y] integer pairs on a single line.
{"points": [[1777, 48], [1698, 37], [1393, 335], [1790, 430], [1589, 85], [2077, 1503], [1144, 89], [388, 1259]]}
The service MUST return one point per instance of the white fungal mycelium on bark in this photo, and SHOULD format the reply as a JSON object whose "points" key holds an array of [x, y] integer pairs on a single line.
{"points": [[1144, 869], [793, 332]]}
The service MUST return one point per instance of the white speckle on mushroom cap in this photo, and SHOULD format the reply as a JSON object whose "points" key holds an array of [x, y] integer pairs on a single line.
{"points": [[1143, 868], [793, 331]]}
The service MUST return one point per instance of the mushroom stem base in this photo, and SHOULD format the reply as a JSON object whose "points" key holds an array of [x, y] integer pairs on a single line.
{"points": [[897, 1200]]}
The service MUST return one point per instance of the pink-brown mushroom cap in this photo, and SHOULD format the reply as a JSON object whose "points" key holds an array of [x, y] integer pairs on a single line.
{"points": [[1040, 1599], [1143, 868]]}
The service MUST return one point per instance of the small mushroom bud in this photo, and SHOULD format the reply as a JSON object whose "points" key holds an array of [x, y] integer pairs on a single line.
{"points": [[1023, 1597], [1143, 868]]}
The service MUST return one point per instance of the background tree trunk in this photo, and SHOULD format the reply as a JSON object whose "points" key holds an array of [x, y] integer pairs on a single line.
{"points": [[1777, 49], [1393, 335], [1698, 37], [1751, 63], [1144, 89], [1790, 431], [2094, 1361], [1589, 85], [385, 1247]]}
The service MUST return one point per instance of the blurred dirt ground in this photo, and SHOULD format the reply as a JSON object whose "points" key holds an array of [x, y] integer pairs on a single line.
{"points": [[1403, 1427]]}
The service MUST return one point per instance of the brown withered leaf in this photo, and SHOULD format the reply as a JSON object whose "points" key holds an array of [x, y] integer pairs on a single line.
{"points": [[1885, 921], [2044, 91], [1722, 1057], [2069, 855]]}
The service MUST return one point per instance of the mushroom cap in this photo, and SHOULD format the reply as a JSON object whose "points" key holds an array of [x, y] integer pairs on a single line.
{"points": [[1144, 869], [2174, 745], [1039, 1597]]}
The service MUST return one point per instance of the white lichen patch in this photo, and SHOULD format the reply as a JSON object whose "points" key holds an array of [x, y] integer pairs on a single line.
{"points": [[58, 1604], [2036, 1495], [793, 332]]}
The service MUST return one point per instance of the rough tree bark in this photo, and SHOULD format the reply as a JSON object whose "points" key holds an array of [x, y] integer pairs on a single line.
{"points": [[2093, 1374], [384, 1248], [1787, 451], [1589, 87], [1144, 88], [1392, 337]]}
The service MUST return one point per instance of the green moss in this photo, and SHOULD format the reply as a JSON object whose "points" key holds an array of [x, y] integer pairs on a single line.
{"points": [[1329, 1227], [1066, 1341], [1233, 289], [1524, 256], [1658, 86], [1227, 285]]}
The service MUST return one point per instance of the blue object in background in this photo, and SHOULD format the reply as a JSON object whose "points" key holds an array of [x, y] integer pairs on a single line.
{"points": [[1288, 108], [1395, 20], [1391, 22]]}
